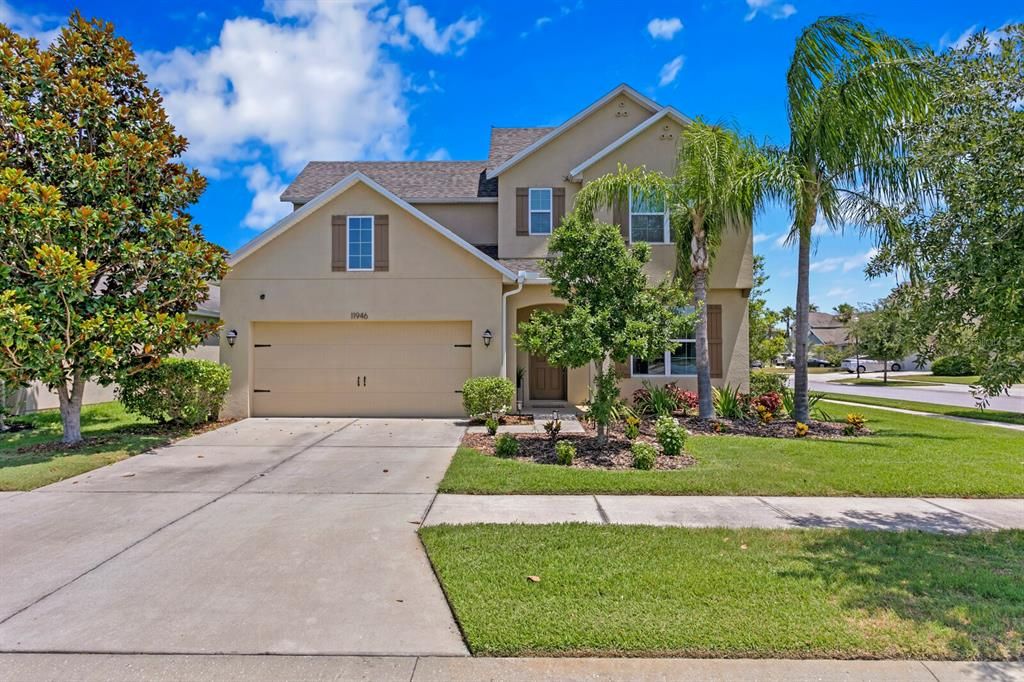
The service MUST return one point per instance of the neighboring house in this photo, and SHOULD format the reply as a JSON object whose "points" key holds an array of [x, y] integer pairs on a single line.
{"points": [[827, 330], [393, 282], [36, 396]]}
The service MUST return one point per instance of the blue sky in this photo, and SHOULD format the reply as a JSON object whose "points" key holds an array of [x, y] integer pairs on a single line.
{"points": [[259, 87]]}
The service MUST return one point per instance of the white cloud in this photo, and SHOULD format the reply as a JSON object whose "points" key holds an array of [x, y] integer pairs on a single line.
{"points": [[843, 263], [840, 292], [43, 27], [439, 154], [312, 82], [770, 8], [541, 21], [267, 207], [758, 238], [670, 70], [664, 29], [420, 24]]}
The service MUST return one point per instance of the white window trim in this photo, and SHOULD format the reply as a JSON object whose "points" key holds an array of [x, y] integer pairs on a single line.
{"points": [[550, 210], [348, 243], [665, 236], [668, 364]]}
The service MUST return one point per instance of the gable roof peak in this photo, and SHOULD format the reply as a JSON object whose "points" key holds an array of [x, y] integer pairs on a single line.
{"points": [[621, 89]]}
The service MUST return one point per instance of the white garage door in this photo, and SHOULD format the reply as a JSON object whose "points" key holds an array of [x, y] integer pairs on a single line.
{"points": [[368, 369]]}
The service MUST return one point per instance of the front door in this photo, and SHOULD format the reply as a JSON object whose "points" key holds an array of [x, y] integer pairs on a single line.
{"points": [[546, 381]]}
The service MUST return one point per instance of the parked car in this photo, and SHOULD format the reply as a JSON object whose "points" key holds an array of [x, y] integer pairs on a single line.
{"points": [[868, 365], [756, 364], [811, 362]]}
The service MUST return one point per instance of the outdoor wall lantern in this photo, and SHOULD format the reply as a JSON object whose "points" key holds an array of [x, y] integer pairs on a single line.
{"points": [[231, 336], [487, 337]]}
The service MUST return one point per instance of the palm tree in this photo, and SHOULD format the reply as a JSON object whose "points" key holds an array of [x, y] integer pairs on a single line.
{"points": [[850, 90], [717, 185], [787, 316]]}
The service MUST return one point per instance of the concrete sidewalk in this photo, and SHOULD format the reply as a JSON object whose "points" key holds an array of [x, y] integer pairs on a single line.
{"points": [[937, 515], [96, 667]]}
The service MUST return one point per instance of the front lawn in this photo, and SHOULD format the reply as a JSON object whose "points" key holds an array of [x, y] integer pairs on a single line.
{"points": [[938, 379], [645, 591], [35, 457], [871, 381], [907, 456], [951, 410]]}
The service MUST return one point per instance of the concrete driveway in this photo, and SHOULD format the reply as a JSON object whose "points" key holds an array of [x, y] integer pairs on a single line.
{"points": [[285, 536]]}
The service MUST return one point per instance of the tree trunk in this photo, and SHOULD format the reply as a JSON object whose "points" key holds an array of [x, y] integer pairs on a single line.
{"points": [[699, 268], [71, 409], [802, 329], [705, 401], [885, 371]]}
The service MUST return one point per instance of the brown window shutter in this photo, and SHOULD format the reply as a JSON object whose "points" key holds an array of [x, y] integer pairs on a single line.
{"points": [[339, 243], [557, 206], [620, 217], [715, 340], [380, 243], [522, 211]]}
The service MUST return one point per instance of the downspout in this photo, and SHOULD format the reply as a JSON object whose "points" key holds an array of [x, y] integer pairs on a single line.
{"points": [[520, 281]]}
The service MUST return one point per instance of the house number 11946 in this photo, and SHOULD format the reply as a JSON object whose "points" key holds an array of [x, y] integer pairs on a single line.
{"points": [[360, 316]]}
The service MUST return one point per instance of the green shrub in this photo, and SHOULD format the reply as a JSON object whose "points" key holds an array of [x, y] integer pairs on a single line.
{"points": [[553, 428], [632, 427], [728, 402], [506, 446], [565, 452], [644, 455], [492, 425], [670, 435], [762, 382], [953, 366], [789, 404], [488, 396], [655, 399], [177, 390]]}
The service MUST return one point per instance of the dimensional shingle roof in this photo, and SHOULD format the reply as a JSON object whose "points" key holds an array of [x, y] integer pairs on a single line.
{"points": [[410, 180], [507, 142], [828, 328]]}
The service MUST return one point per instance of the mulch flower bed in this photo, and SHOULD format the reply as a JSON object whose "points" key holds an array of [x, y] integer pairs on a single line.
{"points": [[615, 452], [777, 428], [507, 420], [170, 432]]}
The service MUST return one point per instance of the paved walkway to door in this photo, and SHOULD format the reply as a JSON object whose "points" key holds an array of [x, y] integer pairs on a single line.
{"points": [[283, 536], [939, 515]]}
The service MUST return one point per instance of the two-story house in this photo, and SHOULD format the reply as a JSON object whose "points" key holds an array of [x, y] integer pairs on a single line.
{"points": [[391, 283]]}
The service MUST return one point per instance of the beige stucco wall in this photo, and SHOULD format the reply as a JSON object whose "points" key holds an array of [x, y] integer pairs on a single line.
{"points": [[549, 165], [655, 148], [475, 222], [430, 278]]}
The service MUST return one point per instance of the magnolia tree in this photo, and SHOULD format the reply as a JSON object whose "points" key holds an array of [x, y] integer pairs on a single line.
{"points": [[99, 260], [611, 311]]}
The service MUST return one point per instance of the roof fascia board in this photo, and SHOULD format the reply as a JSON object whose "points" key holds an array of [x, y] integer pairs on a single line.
{"points": [[621, 89], [339, 187], [666, 112], [454, 200]]}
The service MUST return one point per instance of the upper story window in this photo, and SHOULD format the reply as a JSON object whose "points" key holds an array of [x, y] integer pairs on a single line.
{"points": [[681, 361], [360, 242], [648, 220], [540, 210]]}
